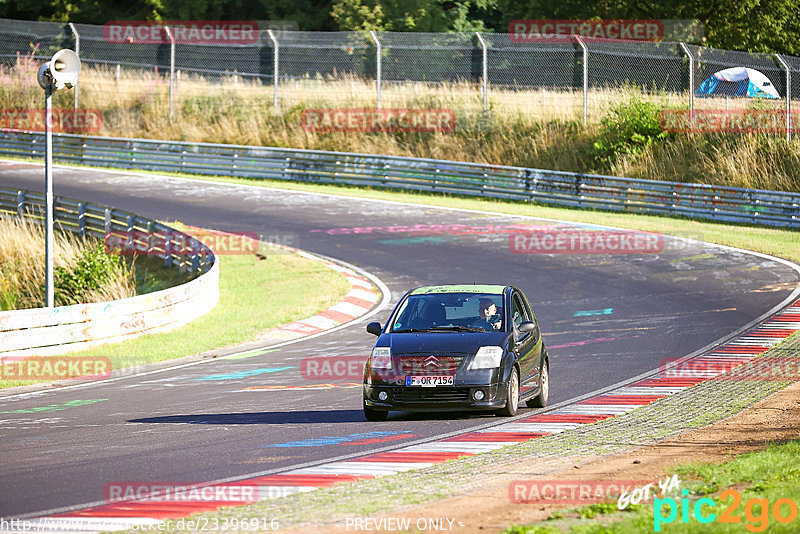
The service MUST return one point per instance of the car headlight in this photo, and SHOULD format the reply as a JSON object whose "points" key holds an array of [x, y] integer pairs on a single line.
{"points": [[487, 358], [382, 358]]}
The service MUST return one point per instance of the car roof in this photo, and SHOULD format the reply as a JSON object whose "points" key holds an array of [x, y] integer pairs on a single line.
{"points": [[460, 288]]}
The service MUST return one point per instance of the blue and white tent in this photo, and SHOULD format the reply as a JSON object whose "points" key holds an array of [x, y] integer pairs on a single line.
{"points": [[738, 81]]}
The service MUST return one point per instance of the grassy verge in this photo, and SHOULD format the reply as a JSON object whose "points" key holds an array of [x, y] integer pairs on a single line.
{"points": [[256, 293], [747, 488]]}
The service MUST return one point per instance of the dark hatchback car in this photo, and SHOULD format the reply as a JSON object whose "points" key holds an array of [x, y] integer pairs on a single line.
{"points": [[457, 347]]}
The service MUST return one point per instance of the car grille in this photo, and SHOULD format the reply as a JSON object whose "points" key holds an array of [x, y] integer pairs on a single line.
{"points": [[438, 394], [429, 365]]}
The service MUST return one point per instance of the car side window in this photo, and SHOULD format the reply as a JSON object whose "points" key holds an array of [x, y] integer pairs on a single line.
{"points": [[528, 310], [518, 314]]}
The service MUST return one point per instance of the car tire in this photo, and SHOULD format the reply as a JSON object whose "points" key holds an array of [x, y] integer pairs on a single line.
{"points": [[375, 415], [540, 400], [512, 395]]}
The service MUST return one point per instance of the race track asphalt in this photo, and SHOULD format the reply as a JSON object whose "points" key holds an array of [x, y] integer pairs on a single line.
{"points": [[605, 318]]}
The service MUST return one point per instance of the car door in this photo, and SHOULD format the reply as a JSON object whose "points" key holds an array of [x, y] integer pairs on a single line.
{"points": [[525, 343]]}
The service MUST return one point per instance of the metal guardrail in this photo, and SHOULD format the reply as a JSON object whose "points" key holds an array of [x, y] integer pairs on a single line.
{"points": [[718, 203], [42, 331]]}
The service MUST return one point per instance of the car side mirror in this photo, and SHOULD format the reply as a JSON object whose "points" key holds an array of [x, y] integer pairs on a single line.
{"points": [[529, 326], [374, 328]]}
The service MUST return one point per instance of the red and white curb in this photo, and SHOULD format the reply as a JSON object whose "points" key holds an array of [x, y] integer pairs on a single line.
{"points": [[361, 298], [721, 359]]}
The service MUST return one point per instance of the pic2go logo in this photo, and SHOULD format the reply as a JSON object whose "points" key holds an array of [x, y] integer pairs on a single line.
{"points": [[756, 511]]}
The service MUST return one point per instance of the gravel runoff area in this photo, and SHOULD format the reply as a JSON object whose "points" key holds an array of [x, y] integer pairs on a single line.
{"points": [[698, 406]]}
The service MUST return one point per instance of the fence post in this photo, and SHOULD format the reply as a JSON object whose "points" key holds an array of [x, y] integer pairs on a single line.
{"points": [[485, 74], [171, 68], [585, 79], [81, 219], [377, 65], [690, 57], [275, 71], [78, 53], [788, 71]]}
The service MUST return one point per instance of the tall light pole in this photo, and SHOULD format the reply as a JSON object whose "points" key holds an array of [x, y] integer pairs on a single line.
{"points": [[61, 72]]}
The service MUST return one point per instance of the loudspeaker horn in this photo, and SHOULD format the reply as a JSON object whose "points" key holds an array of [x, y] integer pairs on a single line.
{"points": [[62, 70]]}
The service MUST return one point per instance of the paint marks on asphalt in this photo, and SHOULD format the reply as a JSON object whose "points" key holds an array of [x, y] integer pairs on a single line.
{"points": [[581, 343], [245, 374], [57, 407], [585, 313], [362, 438], [332, 385]]}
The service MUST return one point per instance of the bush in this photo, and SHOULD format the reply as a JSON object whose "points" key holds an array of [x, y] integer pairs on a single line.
{"points": [[93, 269], [631, 126]]}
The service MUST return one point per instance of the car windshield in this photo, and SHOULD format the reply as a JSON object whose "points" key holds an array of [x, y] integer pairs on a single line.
{"points": [[468, 312]]}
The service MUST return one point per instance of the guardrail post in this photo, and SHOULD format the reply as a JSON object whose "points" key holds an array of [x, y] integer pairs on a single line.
{"points": [[78, 53], [168, 250], [171, 68], [377, 66], [275, 69], [107, 222], [81, 219], [485, 74], [129, 244], [150, 237], [20, 204], [690, 57], [195, 256], [585, 79], [788, 71]]}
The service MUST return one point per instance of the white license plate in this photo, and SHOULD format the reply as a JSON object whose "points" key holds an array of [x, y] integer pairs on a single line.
{"points": [[429, 381]]}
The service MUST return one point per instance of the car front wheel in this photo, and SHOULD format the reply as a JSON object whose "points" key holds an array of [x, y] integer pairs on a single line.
{"points": [[375, 415], [512, 395]]}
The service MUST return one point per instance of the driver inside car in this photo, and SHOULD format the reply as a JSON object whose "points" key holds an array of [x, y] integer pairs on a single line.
{"points": [[489, 317]]}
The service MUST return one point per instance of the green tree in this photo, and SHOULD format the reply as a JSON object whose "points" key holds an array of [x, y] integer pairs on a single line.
{"points": [[411, 15], [307, 14], [748, 25]]}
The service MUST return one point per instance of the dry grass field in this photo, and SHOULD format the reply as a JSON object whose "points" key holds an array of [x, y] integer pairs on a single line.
{"points": [[525, 127]]}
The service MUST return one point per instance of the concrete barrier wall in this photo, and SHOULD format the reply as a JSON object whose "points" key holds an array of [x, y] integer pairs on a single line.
{"points": [[45, 331]]}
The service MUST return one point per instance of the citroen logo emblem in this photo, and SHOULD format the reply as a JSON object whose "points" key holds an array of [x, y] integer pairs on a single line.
{"points": [[431, 360]]}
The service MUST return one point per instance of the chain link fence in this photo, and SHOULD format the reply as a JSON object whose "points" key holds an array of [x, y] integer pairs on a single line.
{"points": [[563, 77]]}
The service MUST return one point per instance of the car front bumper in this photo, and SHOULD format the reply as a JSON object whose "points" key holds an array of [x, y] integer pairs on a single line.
{"points": [[431, 399]]}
